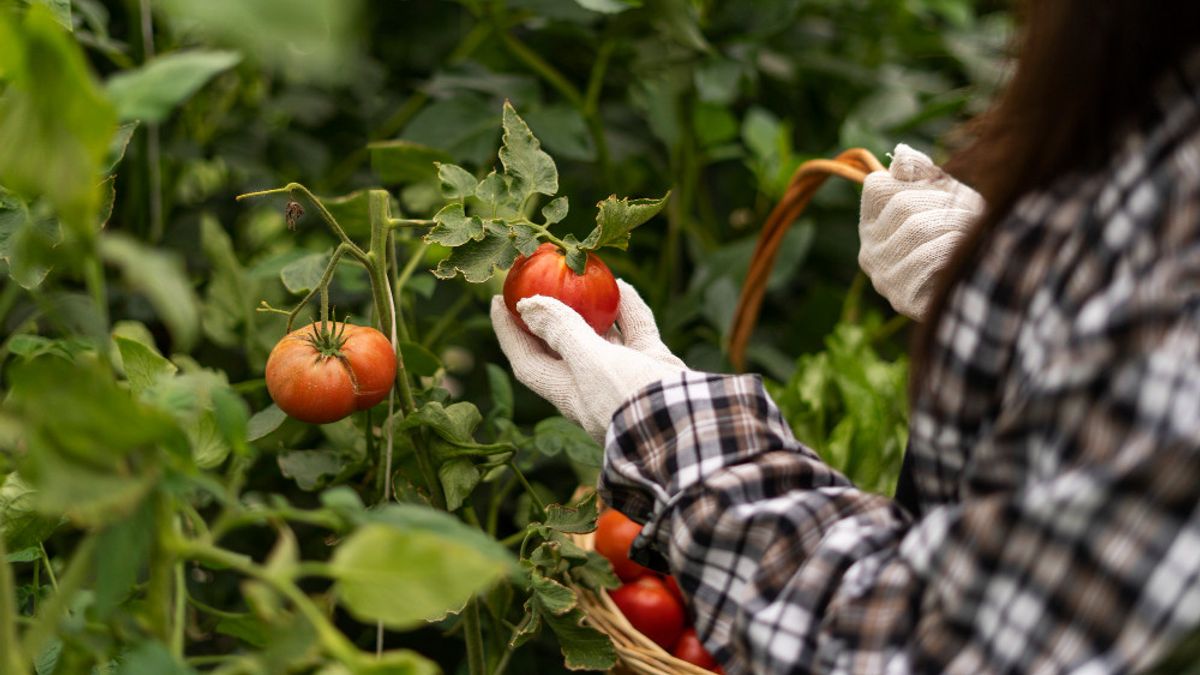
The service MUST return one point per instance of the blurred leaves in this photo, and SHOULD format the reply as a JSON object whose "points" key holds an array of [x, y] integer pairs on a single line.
{"points": [[150, 92], [55, 123], [305, 39]]}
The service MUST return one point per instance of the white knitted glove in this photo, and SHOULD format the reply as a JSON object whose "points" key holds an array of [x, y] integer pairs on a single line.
{"points": [[913, 217], [594, 375]]}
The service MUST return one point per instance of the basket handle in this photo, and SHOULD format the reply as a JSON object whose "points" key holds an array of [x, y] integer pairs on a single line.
{"points": [[853, 165]]}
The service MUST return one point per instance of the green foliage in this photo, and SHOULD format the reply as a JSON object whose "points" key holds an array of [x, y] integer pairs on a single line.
{"points": [[848, 404]]}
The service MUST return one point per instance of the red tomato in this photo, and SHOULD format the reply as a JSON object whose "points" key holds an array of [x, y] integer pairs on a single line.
{"points": [[321, 376], [594, 294], [652, 610], [614, 535], [690, 649]]}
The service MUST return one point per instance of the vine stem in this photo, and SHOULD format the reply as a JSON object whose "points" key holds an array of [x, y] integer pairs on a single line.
{"points": [[528, 488], [11, 657], [77, 571], [49, 567], [334, 642], [298, 189], [474, 638]]}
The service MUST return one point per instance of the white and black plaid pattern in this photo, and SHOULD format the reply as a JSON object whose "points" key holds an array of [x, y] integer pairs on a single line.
{"points": [[1054, 457]]}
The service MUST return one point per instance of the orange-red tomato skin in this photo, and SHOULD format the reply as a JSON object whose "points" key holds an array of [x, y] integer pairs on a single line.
{"points": [[594, 294]]}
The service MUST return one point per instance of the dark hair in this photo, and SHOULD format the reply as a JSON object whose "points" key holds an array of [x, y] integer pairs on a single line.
{"points": [[1085, 74]]}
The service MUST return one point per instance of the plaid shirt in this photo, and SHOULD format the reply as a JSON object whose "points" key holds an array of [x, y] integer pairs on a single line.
{"points": [[1054, 458]]}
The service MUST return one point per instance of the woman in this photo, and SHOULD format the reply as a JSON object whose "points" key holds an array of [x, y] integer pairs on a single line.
{"points": [[1048, 519]]}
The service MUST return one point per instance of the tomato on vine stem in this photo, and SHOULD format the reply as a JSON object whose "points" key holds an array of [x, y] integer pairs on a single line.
{"points": [[324, 371], [594, 294]]}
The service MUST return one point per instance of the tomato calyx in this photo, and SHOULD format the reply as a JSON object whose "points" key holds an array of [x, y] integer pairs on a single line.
{"points": [[327, 340]]}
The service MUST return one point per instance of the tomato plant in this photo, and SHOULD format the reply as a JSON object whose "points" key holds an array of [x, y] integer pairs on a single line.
{"points": [[615, 533], [321, 373], [594, 294], [690, 649], [652, 609]]}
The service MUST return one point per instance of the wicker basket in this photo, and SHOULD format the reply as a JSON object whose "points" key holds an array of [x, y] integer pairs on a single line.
{"points": [[637, 653]]}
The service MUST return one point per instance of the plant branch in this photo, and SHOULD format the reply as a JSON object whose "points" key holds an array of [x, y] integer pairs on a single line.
{"points": [[49, 568], [294, 189], [12, 659], [528, 488], [474, 638]]}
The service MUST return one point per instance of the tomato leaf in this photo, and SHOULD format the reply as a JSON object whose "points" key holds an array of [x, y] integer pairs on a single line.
{"points": [[556, 210], [27, 241], [575, 256], [56, 125], [142, 364], [303, 274], [151, 91], [498, 196], [458, 478], [454, 227], [502, 392], [265, 421], [577, 519], [478, 260], [552, 596], [457, 182], [583, 647], [406, 576], [20, 523], [596, 573], [314, 469], [523, 157], [456, 422], [160, 277], [559, 434], [617, 218], [418, 360], [400, 162]]}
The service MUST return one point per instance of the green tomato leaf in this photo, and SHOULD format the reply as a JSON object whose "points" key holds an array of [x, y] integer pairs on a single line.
{"points": [[458, 478], [596, 573], [502, 391], [478, 260], [552, 596], [245, 627], [303, 274], [456, 422], [577, 519], [20, 523], [404, 577], [264, 422], [120, 143], [401, 162], [528, 630], [559, 434], [523, 158], [525, 238], [418, 360], [583, 647], [56, 125], [499, 196], [556, 210], [151, 91], [27, 242], [314, 469], [454, 227], [143, 365], [160, 277], [305, 39], [457, 182], [576, 257], [617, 217]]}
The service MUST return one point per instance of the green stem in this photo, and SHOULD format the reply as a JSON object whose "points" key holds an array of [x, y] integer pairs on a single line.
{"points": [[11, 657], [514, 538], [446, 319], [322, 287], [410, 222], [209, 609], [474, 638], [498, 497], [180, 622], [546, 234], [591, 99], [336, 644], [77, 571], [528, 488], [161, 585], [49, 567], [93, 276]]}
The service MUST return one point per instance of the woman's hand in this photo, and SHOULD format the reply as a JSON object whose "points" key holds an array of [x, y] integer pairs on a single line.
{"points": [[584, 375], [913, 217]]}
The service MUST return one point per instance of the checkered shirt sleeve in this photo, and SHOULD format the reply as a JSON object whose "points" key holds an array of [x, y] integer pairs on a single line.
{"points": [[1055, 454]]}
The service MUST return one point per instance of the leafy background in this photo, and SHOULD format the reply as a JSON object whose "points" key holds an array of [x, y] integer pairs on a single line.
{"points": [[149, 117]]}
